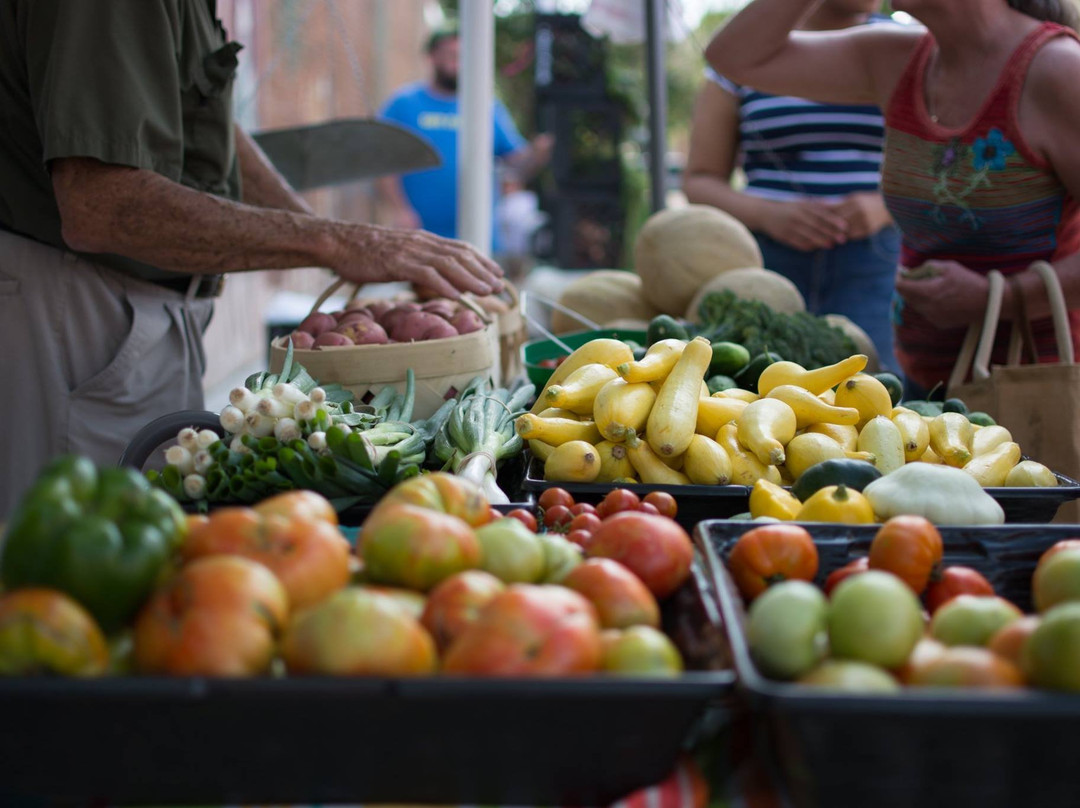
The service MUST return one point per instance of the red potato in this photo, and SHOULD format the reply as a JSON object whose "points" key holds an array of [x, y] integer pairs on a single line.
{"points": [[390, 318], [353, 316], [302, 340], [465, 321], [421, 325], [363, 332], [332, 339], [356, 305], [317, 322], [444, 308], [379, 307]]}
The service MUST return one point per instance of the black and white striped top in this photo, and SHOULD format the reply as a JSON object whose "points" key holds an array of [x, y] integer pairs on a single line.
{"points": [[791, 148]]}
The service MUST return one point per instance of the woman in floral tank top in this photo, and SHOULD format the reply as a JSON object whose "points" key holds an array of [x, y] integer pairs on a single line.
{"points": [[981, 170]]}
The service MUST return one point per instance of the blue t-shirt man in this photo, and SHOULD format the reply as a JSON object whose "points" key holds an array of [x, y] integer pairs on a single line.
{"points": [[433, 192]]}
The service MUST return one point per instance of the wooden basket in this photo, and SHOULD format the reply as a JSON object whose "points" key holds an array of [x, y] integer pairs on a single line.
{"points": [[513, 333], [442, 366]]}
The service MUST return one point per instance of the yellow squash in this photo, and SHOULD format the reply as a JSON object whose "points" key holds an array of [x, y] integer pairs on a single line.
{"points": [[610, 352], [992, 468], [867, 395], [555, 412], [706, 463], [614, 464], [650, 468], [572, 462], [620, 406], [951, 437], [541, 449], [816, 381], [656, 364], [829, 397], [989, 437], [914, 432], [836, 503], [739, 394], [881, 438], [578, 390], [810, 409], [1028, 473], [769, 499], [714, 412], [766, 426], [846, 436], [673, 418], [745, 468], [809, 449], [556, 431]]}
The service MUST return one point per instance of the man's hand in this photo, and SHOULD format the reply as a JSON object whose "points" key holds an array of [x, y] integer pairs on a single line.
{"points": [[945, 292], [865, 214], [542, 146], [369, 254], [805, 225]]}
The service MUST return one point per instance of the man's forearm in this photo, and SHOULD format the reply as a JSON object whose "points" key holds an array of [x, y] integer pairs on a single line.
{"points": [[263, 186], [144, 216]]}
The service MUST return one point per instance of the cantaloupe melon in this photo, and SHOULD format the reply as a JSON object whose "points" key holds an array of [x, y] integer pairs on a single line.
{"points": [[679, 250], [751, 283], [602, 296]]}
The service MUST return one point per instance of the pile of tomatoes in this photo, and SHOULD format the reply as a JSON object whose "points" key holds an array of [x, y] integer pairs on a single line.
{"points": [[559, 513]]}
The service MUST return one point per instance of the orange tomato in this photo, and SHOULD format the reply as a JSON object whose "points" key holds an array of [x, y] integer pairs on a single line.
{"points": [[965, 666], [443, 492], [769, 554], [910, 548], [45, 631], [299, 504]]}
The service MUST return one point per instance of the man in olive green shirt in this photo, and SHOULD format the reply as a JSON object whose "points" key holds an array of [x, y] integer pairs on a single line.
{"points": [[126, 190]]}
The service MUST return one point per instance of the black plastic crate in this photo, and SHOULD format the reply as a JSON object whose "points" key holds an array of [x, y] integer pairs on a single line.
{"points": [[696, 502], [568, 741], [921, 747], [569, 61], [588, 142]]}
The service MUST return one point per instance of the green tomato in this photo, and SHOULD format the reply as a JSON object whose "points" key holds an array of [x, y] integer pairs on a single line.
{"points": [[850, 676], [874, 617], [972, 619], [1057, 580], [1051, 656], [786, 629], [511, 552]]}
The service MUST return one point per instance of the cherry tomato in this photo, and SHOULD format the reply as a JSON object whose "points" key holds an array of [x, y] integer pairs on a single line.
{"points": [[648, 507], [585, 521], [663, 502], [525, 517], [557, 517], [846, 571], [555, 496], [583, 507], [620, 499], [582, 538]]}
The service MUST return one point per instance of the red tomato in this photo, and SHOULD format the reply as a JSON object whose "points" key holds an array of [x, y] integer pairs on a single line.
{"points": [[525, 517], [655, 548], [583, 507], [495, 514], [648, 507], [663, 502], [910, 548], [586, 521], [582, 538], [620, 499], [555, 496], [769, 554], [846, 571], [557, 517], [953, 581]]}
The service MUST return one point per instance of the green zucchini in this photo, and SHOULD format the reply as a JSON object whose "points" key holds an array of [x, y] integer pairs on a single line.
{"points": [[856, 474]]}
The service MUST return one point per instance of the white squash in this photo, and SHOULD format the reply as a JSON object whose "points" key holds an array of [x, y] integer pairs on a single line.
{"points": [[942, 494], [679, 250], [602, 296], [751, 283]]}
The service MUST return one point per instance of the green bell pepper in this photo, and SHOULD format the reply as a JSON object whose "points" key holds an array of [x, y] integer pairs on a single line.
{"points": [[104, 537]]}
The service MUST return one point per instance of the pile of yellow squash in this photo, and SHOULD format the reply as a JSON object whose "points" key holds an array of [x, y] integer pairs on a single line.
{"points": [[604, 417]]}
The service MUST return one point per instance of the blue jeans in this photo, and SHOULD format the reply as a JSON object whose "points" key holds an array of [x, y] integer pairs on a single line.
{"points": [[855, 279]]}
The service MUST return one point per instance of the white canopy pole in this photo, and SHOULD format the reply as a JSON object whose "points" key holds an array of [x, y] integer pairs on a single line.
{"points": [[476, 127]]}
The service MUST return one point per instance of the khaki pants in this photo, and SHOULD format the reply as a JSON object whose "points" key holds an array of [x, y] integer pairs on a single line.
{"points": [[89, 356]]}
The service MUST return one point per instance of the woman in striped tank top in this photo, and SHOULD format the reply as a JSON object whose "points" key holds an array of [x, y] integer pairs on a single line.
{"points": [[812, 196], [981, 171]]}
